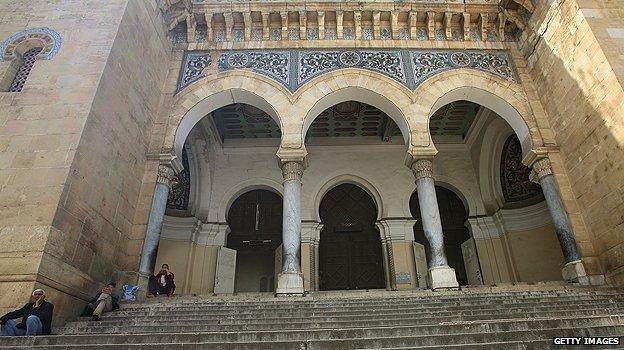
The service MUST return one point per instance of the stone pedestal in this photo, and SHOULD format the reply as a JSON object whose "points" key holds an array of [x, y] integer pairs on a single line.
{"points": [[289, 284], [574, 272], [442, 277]]}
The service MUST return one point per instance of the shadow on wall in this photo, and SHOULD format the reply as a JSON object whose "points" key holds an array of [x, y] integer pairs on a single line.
{"points": [[583, 101]]}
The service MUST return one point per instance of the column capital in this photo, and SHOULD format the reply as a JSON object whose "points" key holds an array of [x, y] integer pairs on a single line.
{"points": [[166, 175], [422, 168], [541, 168], [292, 170]]}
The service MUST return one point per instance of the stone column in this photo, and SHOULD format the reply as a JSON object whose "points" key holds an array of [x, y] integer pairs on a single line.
{"points": [[573, 271], [290, 281], [440, 274], [165, 178]]}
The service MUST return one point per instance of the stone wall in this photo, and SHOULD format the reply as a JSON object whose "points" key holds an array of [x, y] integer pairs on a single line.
{"points": [[580, 91], [73, 147]]}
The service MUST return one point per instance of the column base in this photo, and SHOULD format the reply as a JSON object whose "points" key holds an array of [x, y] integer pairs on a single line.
{"points": [[574, 272], [442, 277], [143, 284], [289, 284]]}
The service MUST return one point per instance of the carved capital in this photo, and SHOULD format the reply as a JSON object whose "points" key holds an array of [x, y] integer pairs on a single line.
{"points": [[541, 168], [422, 168], [166, 176], [292, 171]]}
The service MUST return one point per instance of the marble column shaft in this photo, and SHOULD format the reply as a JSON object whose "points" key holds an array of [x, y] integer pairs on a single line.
{"points": [[542, 173], [291, 224], [166, 176], [429, 212]]}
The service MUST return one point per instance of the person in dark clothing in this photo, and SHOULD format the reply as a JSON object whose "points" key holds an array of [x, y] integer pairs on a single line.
{"points": [[105, 301], [36, 317], [162, 283]]}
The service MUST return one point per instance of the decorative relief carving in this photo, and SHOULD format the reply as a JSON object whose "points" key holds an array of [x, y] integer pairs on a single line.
{"points": [[541, 168], [422, 168], [515, 182], [293, 68], [166, 176], [292, 171], [178, 198]]}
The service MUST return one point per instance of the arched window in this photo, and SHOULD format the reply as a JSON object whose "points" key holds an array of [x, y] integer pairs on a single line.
{"points": [[518, 190], [28, 60]]}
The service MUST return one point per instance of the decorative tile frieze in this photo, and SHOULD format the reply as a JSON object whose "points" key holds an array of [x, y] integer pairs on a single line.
{"points": [[428, 63], [193, 68], [293, 68], [275, 64], [315, 63], [48, 39]]}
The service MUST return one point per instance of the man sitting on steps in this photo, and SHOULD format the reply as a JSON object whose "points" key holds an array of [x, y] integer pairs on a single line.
{"points": [[36, 317], [162, 283], [105, 301]]}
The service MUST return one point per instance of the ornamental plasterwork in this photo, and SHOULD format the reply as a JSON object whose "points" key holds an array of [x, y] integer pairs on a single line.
{"points": [[294, 68], [50, 42]]}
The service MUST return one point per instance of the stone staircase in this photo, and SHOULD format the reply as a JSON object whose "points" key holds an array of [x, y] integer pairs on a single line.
{"points": [[518, 317]]}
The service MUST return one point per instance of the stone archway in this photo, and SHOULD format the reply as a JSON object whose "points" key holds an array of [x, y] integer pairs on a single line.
{"points": [[255, 222], [503, 97], [211, 93]]}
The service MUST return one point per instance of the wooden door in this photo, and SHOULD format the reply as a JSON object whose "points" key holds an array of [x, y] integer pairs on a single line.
{"points": [[225, 272], [350, 248]]}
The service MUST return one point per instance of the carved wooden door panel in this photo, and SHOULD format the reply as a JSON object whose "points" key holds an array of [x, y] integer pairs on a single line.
{"points": [[350, 248], [224, 274]]}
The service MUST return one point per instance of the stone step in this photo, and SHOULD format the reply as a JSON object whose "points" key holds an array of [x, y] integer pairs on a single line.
{"points": [[269, 302], [287, 309], [423, 327], [197, 341], [198, 314], [342, 321], [205, 326], [337, 307], [368, 332]]}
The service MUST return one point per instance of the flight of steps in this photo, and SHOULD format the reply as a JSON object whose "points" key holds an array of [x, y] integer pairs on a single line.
{"points": [[518, 317]]}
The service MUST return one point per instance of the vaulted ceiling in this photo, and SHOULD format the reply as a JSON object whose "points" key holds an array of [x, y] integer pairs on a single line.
{"points": [[347, 119]]}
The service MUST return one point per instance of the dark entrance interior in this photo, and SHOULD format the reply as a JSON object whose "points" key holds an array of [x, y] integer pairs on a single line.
{"points": [[350, 248], [453, 215], [255, 220]]}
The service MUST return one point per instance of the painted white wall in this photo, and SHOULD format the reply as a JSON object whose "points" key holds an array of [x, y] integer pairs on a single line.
{"points": [[379, 169]]}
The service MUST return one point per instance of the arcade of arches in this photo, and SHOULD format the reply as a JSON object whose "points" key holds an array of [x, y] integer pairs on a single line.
{"points": [[361, 218]]}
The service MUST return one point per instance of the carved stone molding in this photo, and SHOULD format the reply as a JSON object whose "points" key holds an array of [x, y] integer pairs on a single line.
{"points": [[298, 20], [422, 168], [166, 176], [541, 168], [292, 171]]}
